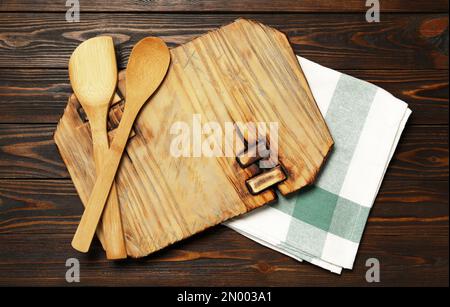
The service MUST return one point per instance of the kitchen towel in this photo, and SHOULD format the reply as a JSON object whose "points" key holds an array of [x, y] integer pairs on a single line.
{"points": [[323, 223]]}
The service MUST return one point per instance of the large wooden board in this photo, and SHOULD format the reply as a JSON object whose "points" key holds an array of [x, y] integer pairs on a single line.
{"points": [[243, 72]]}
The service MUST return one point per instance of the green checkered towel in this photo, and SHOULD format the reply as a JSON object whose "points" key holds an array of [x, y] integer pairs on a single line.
{"points": [[323, 224]]}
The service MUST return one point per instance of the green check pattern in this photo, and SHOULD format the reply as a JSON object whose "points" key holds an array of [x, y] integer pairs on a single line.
{"points": [[320, 206], [323, 224], [319, 209]]}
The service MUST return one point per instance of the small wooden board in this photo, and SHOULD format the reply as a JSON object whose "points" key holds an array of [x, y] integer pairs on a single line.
{"points": [[242, 72]]}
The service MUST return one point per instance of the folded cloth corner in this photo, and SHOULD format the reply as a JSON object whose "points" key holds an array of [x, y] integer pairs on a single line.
{"points": [[323, 223]]}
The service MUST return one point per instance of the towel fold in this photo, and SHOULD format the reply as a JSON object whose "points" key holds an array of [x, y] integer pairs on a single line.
{"points": [[323, 223]]}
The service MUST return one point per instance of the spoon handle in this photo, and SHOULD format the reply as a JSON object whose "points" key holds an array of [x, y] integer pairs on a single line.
{"points": [[91, 215], [111, 220]]}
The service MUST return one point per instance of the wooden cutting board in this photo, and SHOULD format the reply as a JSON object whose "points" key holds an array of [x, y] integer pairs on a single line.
{"points": [[242, 72]]}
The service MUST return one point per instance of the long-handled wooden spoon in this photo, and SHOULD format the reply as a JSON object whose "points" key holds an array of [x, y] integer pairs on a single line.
{"points": [[147, 66], [93, 76]]}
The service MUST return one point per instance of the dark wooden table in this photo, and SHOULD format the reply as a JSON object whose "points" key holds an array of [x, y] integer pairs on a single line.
{"points": [[406, 53]]}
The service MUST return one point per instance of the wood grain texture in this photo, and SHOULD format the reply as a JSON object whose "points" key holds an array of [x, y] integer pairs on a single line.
{"points": [[338, 41], [411, 208], [271, 6], [28, 151], [52, 206], [407, 231], [244, 72], [222, 257], [412, 154], [40, 95], [146, 195]]}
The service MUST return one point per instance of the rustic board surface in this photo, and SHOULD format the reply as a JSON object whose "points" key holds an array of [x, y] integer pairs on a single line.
{"points": [[220, 78], [39, 207]]}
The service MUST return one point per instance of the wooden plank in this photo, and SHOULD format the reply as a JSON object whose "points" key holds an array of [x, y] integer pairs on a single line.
{"points": [[424, 148], [33, 95], [339, 41], [409, 255], [28, 151], [40, 95], [53, 206], [333, 6]]}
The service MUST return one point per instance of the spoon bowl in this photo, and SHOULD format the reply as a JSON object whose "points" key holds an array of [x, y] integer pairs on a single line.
{"points": [[93, 76]]}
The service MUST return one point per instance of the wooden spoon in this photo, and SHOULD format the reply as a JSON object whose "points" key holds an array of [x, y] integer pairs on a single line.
{"points": [[93, 76], [147, 66]]}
